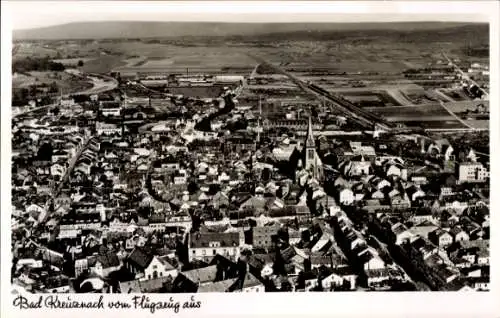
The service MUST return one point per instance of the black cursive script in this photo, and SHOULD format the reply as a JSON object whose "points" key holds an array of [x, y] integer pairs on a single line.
{"points": [[137, 302], [56, 302], [24, 303]]}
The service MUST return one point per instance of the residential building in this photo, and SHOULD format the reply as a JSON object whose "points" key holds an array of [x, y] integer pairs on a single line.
{"points": [[205, 246], [472, 172]]}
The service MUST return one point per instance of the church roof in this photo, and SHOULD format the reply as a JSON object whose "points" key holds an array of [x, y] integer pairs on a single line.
{"points": [[310, 136]]}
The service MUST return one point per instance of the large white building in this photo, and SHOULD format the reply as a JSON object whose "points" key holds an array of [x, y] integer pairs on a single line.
{"points": [[107, 129], [110, 109], [204, 246], [472, 172]]}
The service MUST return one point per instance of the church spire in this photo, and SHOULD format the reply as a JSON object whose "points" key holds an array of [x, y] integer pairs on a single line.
{"points": [[310, 136]]}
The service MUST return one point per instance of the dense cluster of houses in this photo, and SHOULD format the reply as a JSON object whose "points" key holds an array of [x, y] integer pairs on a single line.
{"points": [[100, 205]]}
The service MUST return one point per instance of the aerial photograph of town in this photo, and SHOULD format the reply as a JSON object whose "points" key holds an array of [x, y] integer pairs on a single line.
{"points": [[214, 157]]}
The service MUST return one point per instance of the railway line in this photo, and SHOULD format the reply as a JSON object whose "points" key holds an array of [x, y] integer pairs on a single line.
{"points": [[358, 115]]}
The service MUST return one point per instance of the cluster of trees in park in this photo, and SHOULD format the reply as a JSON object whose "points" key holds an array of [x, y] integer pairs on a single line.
{"points": [[21, 96], [29, 64]]}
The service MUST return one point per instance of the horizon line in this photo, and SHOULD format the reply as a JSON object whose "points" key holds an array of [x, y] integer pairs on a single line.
{"points": [[253, 22]]}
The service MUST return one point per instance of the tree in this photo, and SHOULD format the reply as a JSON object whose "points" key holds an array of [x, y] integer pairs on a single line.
{"points": [[283, 235], [33, 90], [286, 286], [266, 174], [301, 281], [55, 111], [80, 63], [45, 152], [279, 264], [20, 97], [192, 187], [195, 223], [53, 88]]}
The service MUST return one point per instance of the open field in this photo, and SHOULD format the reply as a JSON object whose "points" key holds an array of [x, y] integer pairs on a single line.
{"points": [[103, 64], [479, 124], [198, 92], [73, 61], [335, 60], [432, 110], [456, 94], [448, 124], [370, 98], [193, 60], [431, 115], [458, 107], [67, 82], [370, 53], [24, 50], [135, 61]]}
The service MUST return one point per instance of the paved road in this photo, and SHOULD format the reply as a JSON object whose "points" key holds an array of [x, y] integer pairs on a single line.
{"points": [[254, 71], [466, 76], [455, 116], [33, 110], [71, 166], [100, 86], [443, 95]]}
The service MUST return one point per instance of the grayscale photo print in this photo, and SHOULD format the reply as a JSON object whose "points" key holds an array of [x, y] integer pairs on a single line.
{"points": [[214, 152]]}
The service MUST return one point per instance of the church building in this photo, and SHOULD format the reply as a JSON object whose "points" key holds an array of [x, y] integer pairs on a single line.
{"points": [[308, 159]]}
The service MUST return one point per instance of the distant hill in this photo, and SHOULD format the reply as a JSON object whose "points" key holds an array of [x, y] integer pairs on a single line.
{"points": [[138, 29]]}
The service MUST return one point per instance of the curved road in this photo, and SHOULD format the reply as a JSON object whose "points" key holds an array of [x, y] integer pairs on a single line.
{"points": [[100, 86]]}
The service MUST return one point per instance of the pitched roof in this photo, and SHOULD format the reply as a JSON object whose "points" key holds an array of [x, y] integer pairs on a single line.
{"points": [[164, 260], [288, 253], [259, 260], [146, 286], [199, 240], [482, 244], [383, 272], [456, 230], [108, 260], [343, 271], [250, 281], [140, 258], [217, 287], [321, 259], [399, 228], [201, 275]]}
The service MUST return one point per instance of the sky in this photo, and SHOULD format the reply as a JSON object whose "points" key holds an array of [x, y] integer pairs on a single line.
{"points": [[27, 15]]}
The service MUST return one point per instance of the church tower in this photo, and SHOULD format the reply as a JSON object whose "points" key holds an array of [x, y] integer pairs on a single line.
{"points": [[312, 161], [310, 146]]}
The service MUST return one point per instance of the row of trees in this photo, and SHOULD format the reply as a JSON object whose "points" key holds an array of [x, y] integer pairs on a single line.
{"points": [[22, 96], [36, 64]]}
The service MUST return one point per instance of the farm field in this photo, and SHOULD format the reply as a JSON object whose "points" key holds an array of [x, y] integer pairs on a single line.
{"points": [[103, 64], [431, 116], [68, 82], [458, 107], [370, 98], [410, 111], [73, 61], [198, 91], [405, 119], [24, 50], [350, 66], [184, 60], [457, 94], [479, 124], [437, 124]]}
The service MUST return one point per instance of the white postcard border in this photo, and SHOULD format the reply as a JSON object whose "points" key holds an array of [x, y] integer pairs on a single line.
{"points": [[432, 304]]}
